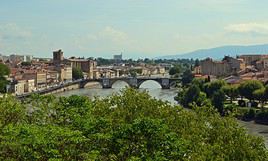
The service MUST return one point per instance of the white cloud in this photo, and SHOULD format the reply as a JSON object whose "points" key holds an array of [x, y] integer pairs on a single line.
{"points": [[258, 28]]}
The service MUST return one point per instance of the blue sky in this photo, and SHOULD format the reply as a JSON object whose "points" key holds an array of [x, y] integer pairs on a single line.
{"points": [[138, 28]]}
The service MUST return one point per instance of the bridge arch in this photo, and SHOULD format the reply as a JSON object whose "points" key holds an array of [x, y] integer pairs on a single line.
{"points": [[96, 84], [154, 82], [123, 81]]}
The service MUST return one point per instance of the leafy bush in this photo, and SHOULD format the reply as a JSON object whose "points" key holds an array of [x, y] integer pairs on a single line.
{"points": [[127, 126], [231, 109]]}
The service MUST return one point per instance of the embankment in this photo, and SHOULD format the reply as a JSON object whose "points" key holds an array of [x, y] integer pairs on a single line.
{"points": [[73, 87]]}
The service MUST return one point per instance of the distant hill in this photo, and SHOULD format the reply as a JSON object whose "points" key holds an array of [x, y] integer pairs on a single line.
{"points": [[220, 52]]}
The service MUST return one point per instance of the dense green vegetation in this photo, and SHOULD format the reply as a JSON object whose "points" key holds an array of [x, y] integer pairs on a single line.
{"points": [[216, 93], [77, 73], [4, 71], [175, 70], [127, 126]]}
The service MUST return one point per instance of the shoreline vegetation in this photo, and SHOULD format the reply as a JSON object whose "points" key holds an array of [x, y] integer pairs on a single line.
{"points": [[130, 125], [246, 101]]}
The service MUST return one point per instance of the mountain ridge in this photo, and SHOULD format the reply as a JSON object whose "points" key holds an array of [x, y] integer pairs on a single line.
{"points": [[220, 52]]}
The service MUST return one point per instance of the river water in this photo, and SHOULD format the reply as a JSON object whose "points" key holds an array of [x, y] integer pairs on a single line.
{"points": [[154, 89]]}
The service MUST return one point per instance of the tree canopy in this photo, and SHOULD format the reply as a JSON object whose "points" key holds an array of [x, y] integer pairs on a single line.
{"points": [[175, 70], [77, 73], [130, 125], [187, 77], [247, 88]]}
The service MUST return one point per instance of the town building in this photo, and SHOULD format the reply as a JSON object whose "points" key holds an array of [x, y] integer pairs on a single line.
{"points": [[65, 73], [262, 64], [85, 65], [53, 76], [18, 87], [251, 59], [227, 66], [41, 79], [118, 58], [30, 85], [57, 57]]}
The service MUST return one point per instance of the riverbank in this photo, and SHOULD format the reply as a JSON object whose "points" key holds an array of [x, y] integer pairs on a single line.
{"points": [[73, 87]]}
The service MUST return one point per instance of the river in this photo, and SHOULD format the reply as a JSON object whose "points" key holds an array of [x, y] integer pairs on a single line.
{"points": [[154, 89]]}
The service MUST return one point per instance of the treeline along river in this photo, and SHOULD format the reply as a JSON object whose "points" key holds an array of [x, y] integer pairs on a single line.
{"points": [[154, 89]]}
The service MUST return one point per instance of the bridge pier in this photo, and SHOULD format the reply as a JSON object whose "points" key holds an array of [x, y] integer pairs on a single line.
{"points": [[106, 83], [165, 84], [133, 83]]}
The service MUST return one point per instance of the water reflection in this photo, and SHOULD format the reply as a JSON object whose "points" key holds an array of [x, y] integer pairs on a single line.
{"points": [[120, 84], [149, 84]]}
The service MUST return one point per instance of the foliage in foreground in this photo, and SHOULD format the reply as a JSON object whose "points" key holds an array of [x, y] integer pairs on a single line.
{"points": [[127, 126]]}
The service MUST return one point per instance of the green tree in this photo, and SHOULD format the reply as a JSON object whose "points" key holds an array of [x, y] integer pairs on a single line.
{"points": [[12, 112], [261, 95], [191, 95], [4, 71], [199, 82], [217, 101], [214, 86], [187, 77], [130, 125], [175, 70], [77, 73], [231, 91], [247, 88]]}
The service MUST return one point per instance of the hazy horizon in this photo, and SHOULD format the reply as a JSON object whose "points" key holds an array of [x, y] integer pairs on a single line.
{"points": [[138, 28]]}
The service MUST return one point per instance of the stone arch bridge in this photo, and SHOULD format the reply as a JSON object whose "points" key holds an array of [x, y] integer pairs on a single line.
{"points": [[165, 83]]}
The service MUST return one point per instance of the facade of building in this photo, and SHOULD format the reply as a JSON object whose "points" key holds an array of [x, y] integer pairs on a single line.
{"points": [[19, 87], [66, 73], [53, 76], [57, 57], [161, 70], [225, 67], [30, 85], [251, 59], [87, 66], [41, 79], [262, 64], [197, 70]]}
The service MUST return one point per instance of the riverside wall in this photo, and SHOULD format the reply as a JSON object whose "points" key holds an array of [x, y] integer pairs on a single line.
{"points": [[73, 87]]}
